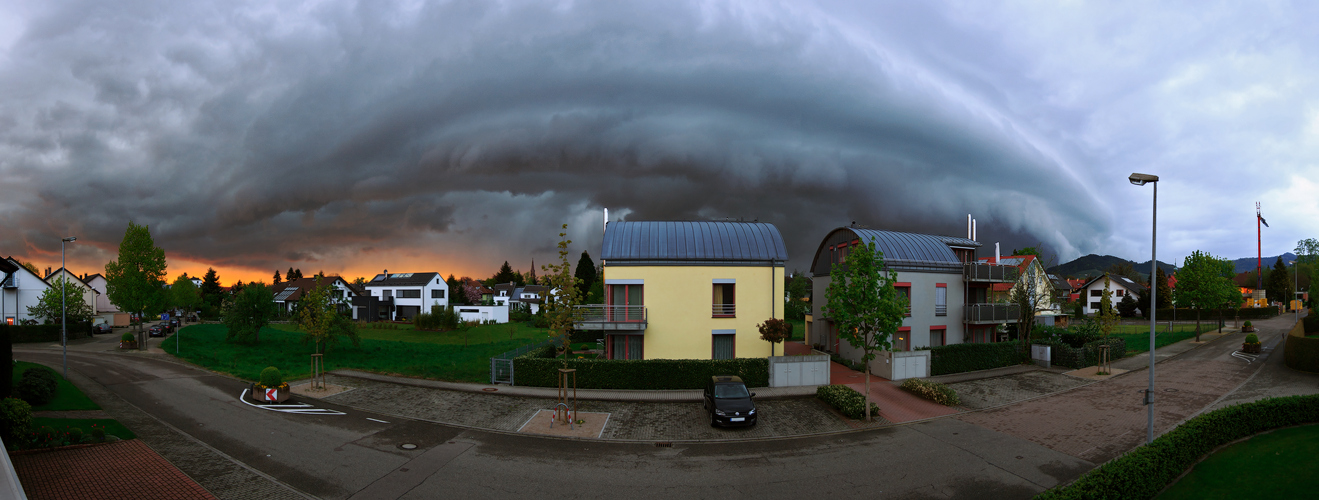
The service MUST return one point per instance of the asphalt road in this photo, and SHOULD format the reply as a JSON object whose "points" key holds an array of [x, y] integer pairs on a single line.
{"points": [[343, 456]]}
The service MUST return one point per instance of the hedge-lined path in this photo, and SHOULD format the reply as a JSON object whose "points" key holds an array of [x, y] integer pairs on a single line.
{"points": [[895, 405], [1099, 421], [128, 470]]}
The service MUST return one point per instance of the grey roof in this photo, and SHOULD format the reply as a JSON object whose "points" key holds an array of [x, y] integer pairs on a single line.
{"points": [[693, 241], [914, 249], [1121, 281], [402, 279]]}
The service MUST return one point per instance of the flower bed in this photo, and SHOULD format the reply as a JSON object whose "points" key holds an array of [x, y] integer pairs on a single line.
{"points": [[846, 400], [932, 391]]}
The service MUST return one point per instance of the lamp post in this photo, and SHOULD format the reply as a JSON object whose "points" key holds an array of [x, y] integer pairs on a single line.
{"points": [[1141, 180], [64, 283], [1296, 287]]}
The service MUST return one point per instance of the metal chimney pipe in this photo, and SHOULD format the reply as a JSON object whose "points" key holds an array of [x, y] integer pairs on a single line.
{"points": [[968, 226], [973, 230]]}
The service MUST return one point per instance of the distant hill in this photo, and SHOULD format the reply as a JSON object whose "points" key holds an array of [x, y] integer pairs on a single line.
{"points": [[1095, 265], [1248, 263]]}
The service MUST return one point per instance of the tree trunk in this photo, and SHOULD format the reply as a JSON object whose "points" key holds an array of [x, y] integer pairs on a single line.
{"points": [[1197, 324], [865, 400]]}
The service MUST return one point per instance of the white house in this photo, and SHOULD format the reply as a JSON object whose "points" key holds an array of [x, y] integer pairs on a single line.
{"points": [[106, 312], [288, 294], [1121, 286], [88, 293], [20, 290], [404, 295], [515, 297]]}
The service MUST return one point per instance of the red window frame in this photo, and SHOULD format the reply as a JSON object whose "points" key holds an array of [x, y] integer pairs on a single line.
{"points": [[907, 286], [904, 336]]}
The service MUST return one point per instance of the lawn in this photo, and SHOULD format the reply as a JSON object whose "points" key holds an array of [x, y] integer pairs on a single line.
{"points": [[112, 427], [434, 355], [1273, 465], [798, 329], [67, 397], [1138, 337]]}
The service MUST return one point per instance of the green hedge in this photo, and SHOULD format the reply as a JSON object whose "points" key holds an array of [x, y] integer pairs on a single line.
{"points": [[538, 369], [1301, 352], [958, 358], [1184, 314], [1061, 354], [1147, 470], [932, 391], [19, 334], [846, 400]]}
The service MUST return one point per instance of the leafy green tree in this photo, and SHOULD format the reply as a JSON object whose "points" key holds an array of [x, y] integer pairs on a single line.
{"points": [[586, 274], [1279, 285], [797, 288], [563, 297], [135, 281], [1027, 251], [774, 331], [249, 311], [320, 319], [184, 294], [1202, 284], [1106, 316], [864, 305], [75, 309]]}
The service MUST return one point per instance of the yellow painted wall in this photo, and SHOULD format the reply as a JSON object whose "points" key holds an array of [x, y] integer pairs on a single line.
{"points": [[678, 303]]}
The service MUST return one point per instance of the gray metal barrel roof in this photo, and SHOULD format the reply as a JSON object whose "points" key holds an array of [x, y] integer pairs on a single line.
{"points": [[693, 240], [908, 250]]}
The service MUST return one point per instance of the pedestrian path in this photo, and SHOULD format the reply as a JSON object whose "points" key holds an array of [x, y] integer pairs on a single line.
{"points": [[895, 405]]}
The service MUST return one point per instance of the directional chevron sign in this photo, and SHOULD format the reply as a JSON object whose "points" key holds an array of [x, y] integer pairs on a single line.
{"points": [[272, 394]]}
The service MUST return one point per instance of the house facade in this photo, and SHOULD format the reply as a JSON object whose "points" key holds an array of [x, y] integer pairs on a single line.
{"points": [[106, 311], [20, 290], [288, 294], [529, 297], [88, 293], [687, 289], [1031, 274], [1121, 286], [400, 296], [949, 292]]}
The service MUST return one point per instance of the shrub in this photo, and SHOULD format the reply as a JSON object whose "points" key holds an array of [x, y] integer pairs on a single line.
{"points": [[539, 369], [127, 337], [958, 358], [75, 435], [15, 420], [270, 377], [846, 400], [1147, 470], [98, 433], [932, 391], [1247, 323], [37, 386], [1252, 339]]}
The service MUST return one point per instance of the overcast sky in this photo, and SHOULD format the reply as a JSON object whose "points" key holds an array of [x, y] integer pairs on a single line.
{"points": [[352, 137]]}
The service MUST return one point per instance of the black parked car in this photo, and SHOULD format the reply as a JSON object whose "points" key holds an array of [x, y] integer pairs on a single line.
{"points": [[102, 328], [157, 330], [729, 403], [174, 323]]}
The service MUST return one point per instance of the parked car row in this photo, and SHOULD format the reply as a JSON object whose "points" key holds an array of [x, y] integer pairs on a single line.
{"points": [[162, 329]]}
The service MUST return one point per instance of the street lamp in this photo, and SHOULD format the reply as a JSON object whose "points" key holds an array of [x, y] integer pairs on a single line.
{"points": [[1141, 180], [64, 283], [1296, 287]]}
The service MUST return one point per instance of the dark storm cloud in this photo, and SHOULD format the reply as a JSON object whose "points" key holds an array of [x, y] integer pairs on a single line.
{"points": [[259, 135]]}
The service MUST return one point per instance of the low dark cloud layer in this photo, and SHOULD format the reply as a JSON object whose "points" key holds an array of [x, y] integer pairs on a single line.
{"points": [[340, 134]]}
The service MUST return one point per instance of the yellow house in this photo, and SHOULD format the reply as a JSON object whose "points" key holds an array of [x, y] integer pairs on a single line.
{"points": [[688, 290]]}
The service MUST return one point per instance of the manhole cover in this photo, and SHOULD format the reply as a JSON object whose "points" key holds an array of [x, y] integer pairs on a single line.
{"points": [[490, 389], [408, 446]]}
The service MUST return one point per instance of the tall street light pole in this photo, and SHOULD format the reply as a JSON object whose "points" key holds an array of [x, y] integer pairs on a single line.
{"points": [[64, 283], [1296, 287], [1141, 180]]}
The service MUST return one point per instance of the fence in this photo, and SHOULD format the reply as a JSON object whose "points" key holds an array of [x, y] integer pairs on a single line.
{"points": [[501, 366]]}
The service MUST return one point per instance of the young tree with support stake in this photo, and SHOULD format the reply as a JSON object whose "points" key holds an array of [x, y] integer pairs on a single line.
{"points": [[864, 305], [563, 297]]}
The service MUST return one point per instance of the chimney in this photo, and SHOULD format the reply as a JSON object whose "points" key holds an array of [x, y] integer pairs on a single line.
{"points": [[968, 226], [998, 258], [973, 230]]}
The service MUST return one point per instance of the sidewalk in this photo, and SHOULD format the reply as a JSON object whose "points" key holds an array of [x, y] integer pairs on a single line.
{"points": [[124, 469]]}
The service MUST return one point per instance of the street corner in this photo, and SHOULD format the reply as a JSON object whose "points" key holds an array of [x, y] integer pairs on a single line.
{"points": [[1095, 373], [585, 424]]}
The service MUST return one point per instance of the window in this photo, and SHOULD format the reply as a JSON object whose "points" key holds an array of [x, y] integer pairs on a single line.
{"points": [[1119, 292], [904, 294], [626, 302], [938, 335], [724, 302], [723, 344], [941, 299], [387, 294], [437, 294], [1096, 293], [625, 346], [902, 340], [409, 294], [1094, 305]]}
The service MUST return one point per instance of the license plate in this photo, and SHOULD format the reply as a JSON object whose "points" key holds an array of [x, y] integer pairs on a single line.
{"points": [[737, 419]]}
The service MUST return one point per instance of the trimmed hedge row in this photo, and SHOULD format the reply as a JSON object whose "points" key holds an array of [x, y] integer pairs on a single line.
{"points": [[1147, 470], [537, 368], [1062, 354], [1301, 352], [1185, 314], [932, 391], [958, 358], [19, 334], [846, 400]]}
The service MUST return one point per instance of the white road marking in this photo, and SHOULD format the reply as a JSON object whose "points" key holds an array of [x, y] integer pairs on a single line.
{"points": [[376, 420], [301, 409]]}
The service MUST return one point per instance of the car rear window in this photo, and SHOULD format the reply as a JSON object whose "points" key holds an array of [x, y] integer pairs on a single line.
{"points": [[730, 391]]}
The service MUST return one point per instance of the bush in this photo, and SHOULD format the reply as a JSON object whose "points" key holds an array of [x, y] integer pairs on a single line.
{"points": [[958, 358], [1311, 323], [932, 391], [846, 400], [98, 433], [127, 337], [1147, 470], [1301, 352], [19, 334], [440, 318], [270, 377], [539, 369], [1208, 314], [37, 386], [1252, 339], [1247, 324], [75, 435], [15, 420]]}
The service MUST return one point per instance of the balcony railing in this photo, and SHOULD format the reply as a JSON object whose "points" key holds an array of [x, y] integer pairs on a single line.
{"points": [[605, 317], [989, 272], [940, 310], [992, 313], [723, 310]]}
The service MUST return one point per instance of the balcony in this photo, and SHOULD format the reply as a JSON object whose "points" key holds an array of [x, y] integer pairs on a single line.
{"points": [[990, 273], [723, 310], [991, 313], [604, 317]]}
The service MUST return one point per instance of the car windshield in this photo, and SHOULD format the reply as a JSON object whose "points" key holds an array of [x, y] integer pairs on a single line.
{"points": [[731, 391]]}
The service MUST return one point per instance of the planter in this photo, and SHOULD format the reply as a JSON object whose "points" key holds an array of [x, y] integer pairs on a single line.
{"points": [[1250, 348], [128, 344], [259, 395], [1247, 329]]}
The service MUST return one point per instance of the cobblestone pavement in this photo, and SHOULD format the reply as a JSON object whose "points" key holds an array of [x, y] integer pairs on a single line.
{"points": [[991, 392], [627, 420], [61, 474]]}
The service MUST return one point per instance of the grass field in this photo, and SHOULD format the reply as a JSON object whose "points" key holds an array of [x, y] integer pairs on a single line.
{"points": [[112, 427], [1274, 465], [67, 397], [1138, 338], [442, 356]]}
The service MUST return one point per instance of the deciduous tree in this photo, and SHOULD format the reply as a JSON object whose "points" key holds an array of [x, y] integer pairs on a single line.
{"points": [[563, 297], [135, 281], [249, 312], [49, 306], [864, 305], [1106, 317], [320, 319], [1201, 284], [183, 294], [774, 331]]}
